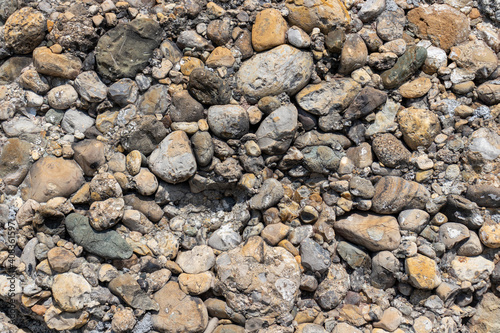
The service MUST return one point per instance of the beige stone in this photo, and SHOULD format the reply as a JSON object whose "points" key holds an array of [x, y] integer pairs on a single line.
{"points": [[423, 272], [419, 126], [323, 14], [416, 88], [71, 292], [196, 284], [59, 320], [220, 57], [60, 259], [269, 30]]}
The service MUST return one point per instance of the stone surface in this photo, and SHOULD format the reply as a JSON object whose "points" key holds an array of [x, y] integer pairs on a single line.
{"points": [[63, 65], [419, 127], [364, 103], [74, 33], [89, 154], [185, 107], [126, 49], [332, 290], [62, 97], [107, 244], [228, 121], [485, 319], [394, 194], [144, 135], [14, 161], [423, 272], [173, 161], [314, 257], [127, 288], [269, 195], [324, 14], [416, 88], [443, 25], [107, 213], [405, 67], [12, 67], [375, 232], [60, 259], [282, 69], [52, 177], [90, 87], [475, 57], [354, 54], [208, 88], [390, 151], [24, 30], [269, 30], [276, 132], [200, 259], [71, 291]]}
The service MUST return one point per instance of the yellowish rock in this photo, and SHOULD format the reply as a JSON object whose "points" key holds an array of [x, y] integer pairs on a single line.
{"points": [[269, 30], [416, 88], [196, 284], [422, 272], [324, 14], [221, 56], [188, 64], [59, 320], [419, 126], [106, 121], [489, 234]]}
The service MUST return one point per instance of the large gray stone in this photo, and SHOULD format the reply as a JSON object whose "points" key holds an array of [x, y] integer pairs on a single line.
{"points": [[228, 121]]}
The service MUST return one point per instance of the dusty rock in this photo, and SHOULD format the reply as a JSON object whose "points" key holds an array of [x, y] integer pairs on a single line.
{"points": [[71, 292], [269, 30], [90, 87], [123, 320], [476, 57], [390, 151], [127, 288], [196, 284], [354, 54], [74, 33], [62, 97], [208, 88], [14, 161], [63, 65], [375, 232], [394, 194], [422, 272], [322, 14], [144, 135], [485, 318], [472, 269], [269, 195], [365, 102], [60, 320], [24, 30], [107, 213], [200, 259], [390, 24], [416, 88], [419, 127], [332, 290]]}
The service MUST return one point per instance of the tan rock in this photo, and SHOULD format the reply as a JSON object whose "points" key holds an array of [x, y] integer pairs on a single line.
{"points": [[188, 64], [14, 161], [489, 234], [394, 194], [274, 233], [24, 30], [105, 214], [71, 292], [375, 232], [419, 126], [442, 24], [416, 88], [196, 284], [178, 311], [423, 272], [123, 320], [324, 14], [57, 319], [63, 65], [486, 317], [89, 154], [128, 289], [220, 57], [472, 269], [269, 30], [476, 57], [146, 182], [422, 324], [105, 121], [60, 259], [133, 162], [354, 54], [52, 177], [390, 320]]}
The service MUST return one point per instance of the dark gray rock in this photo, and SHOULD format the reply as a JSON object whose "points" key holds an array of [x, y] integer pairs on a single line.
{"points": [[144, 135], [203, 148], [124, 92], [332, 290], [269, 195], [353, 255], [384, 266], [228, 121], [185, 107], [365, 102], [90, 88], [208, 88], [484, 195], [314, 257]]}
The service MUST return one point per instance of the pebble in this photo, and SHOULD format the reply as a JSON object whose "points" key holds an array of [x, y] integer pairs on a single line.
{"points": [[129, 290], [472, 269], [422, 272], [200, 259], [63, 65], [394, 194], [269, 30], [405, 67], [24, 30], [228, 121], [419, 127], [90, 87], [208, 88], [105, 214], [71, 292], [62, 97], [322, 14]]}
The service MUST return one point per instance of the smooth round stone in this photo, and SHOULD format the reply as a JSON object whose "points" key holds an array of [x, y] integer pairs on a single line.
{"points": [[62, 97], [228, 121]]}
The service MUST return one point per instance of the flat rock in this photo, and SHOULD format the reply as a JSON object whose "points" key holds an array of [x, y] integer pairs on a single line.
{"points": [[90, 87], [60, 320], [405, 67], [25, 30], [282, 69], [129, 290], [443, 25], [354, 54], [239, 270], [71, 292], [15, 161], [375, 232], [228, 121], [364, 103], [107, 244], [179, 312], [416, 88], [423, 272], [276, 132], [472, 269], [52, 177], [324, 14], [173, 161], [125, 50], [485, 318], [76, 120], [321, 159], [269, 195], [394, 194], [63, 65]]}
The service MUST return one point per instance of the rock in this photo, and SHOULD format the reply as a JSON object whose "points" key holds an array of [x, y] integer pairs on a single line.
{"points": [[63, 65], [354, 54], [390, 320], [123, 320], [60, 320], [472, 269], [144, 135], [198, 260], [71, 292], [354, 256], [328, 97], [107, 244], [30, 79], [405, 67], [185, 108], [24, 30], [310, 328], [335, 39], [264, 74], [203, 148], [384, 267], [191, 39], [315, 138], [11, 69], [62, 97], [332, 290], [475, 57], [486, 142], [90, 87], [485, 318], [173, 161], [14, 161], [345, 328], [129, 290], [52, 177], [443, 25], [321, 159], [269, 195], [361, 156], [413, 220], [145, 182], [75, 120], [313, 256], [419, 126], [274, 233], [229, 329], [179, 312], [416, 88], [364, 103], [375, 232], [208, 88], [390, 151], [74, 33], [269, 30], [390, 24], [423, 272], [125, 50], [472, 247], [124, 92], [394, 194], [147, 206], [371, 9], [239, 269], [243, 43], [276, 132], [105, 214], [451, 233], [224, 239], [436, 58], [298, 37], [228, 121], [89, 154], [489, 92], [104, 186], [317, 13], [156, 100], [361, 187], [60, 259], [196, 284], [490, 234], [219, 31], [382, 61]]}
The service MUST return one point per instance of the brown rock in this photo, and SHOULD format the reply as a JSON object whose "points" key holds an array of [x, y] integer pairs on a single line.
{"points": [[324, 14], [354, 54], [123, 320], [394, 194], [419, 127], [390, 151], [64, 65], [52, 177], [60, 259], [416, 88], [274, 233], [107, 213], [476, 57], [486, 317], [423, 272], [129, 290], [24, 30], [89, 154], [221, 56], [484, 195], [14, 161], [442, 24], [375, 232], [178, 311], [269, 30], [60, 320], [196, 284], [365, 102]]}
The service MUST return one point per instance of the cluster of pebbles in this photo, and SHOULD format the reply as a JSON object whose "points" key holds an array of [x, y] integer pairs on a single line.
{"points": [[250, 166]]}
